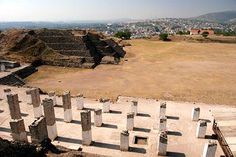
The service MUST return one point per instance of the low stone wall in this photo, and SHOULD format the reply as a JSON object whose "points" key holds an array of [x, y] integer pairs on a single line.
{"points": [[25, 72], [12, 80], [16, 78]]}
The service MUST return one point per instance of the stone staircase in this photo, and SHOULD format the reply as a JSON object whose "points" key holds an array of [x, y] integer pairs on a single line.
{"points": [[65, 43]]}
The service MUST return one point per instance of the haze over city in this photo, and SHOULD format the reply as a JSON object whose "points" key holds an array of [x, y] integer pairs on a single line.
{"points": [[76, 10]]}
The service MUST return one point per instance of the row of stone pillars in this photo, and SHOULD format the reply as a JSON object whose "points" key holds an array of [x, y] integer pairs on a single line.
{"points": [[162, 136], [45, 126], [41, 128], [16, 123], [211, 146]]}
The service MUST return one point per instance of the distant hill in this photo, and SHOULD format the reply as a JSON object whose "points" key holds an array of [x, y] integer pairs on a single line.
{"points": [[224, 17]]}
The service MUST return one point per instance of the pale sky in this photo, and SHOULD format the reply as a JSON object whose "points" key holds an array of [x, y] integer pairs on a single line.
{"points": [[75, 10]]}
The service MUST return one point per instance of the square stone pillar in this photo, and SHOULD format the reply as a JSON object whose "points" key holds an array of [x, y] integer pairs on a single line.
{"points": [[49, 114], [106, 105], [201, 129], [162, 109], [134, 107], [210, 149], [130, 121], [80, 101], [2, 68], [38, 130], [18, 132], [162, 144], [98, 117], [14, 107], [52, 95], [124, 141], [163, 123], [195, 114], [66, 99], [36, 101], [86, 127]]}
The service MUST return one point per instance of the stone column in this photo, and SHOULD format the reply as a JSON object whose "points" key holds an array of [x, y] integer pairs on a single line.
{"points": [[124, 141], [35, 99], [210, 149], [195, 114], [6, 92], [14, 106], [130, 121], [66, 99], [162, 144], [18, 132], [86, 127], [38, 130], [162, 109], [80, 101], [98, 117], [163, 122], [201, 129], [2, 68], [134, 107], [49, 114], [52, 95], [106, 105]]}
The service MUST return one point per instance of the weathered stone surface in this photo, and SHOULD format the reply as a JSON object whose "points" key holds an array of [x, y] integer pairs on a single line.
{"points": [[66, 99], [35, 96], [124, 141], [86, 120], [14, 106], [98, 117], [18, 130], [38, 130], [49, 112]]}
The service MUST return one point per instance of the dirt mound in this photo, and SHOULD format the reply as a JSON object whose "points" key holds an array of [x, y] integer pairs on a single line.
{"points": [[59, 47]]}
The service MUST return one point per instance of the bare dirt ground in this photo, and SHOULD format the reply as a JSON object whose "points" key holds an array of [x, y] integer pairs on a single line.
{"points": [[182, 71]]}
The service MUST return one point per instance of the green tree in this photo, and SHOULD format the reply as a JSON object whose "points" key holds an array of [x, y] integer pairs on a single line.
{"points": [[126, 34], [205, 34], [164, 37]]}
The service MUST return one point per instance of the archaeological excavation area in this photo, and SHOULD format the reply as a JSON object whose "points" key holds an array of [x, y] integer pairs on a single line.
{"points": [[125, 127]]}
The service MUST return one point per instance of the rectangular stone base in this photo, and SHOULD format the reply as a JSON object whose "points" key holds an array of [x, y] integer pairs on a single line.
{"points": [[20, 136], [162, 148], [68, 115], [52, 131], [87, 137]]}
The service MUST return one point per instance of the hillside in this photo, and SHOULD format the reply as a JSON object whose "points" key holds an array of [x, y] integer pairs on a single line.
{"points": [[223, 17], [58, 47]]}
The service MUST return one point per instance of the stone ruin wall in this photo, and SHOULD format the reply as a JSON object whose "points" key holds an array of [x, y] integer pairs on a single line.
{"points": [[61, 48]]}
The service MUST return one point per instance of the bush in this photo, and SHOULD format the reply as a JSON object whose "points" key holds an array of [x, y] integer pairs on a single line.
{"points": [[164, 37], [205, 34], [123, 34], [183, 32]]}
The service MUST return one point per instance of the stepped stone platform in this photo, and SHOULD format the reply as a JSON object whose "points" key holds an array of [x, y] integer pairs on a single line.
{"points": [[69, 48], [181, 130]]}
